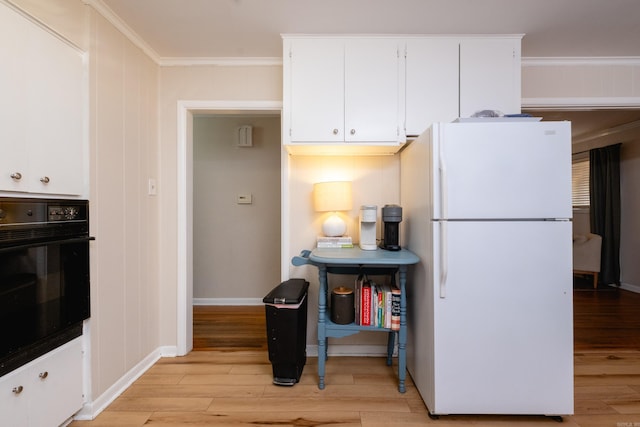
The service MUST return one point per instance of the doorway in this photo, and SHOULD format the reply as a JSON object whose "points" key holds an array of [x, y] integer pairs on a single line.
{"points": [[236, 207], [187, 111]]}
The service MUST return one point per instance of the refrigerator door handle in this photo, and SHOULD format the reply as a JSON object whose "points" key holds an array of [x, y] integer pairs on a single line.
{"points": [[443, 182], [443, 220], [443, 259]]}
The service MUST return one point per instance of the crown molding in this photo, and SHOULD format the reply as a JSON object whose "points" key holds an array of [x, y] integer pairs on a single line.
{"points": [[128, 32], [581, 103], [220, 61], [116, 21], [580, 61]]}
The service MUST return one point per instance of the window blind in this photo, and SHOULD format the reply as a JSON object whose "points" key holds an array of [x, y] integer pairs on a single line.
{"points": [[580, 180]]}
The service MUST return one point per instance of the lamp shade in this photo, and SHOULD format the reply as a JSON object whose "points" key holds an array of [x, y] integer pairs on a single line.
{"points": [[332, 196]]}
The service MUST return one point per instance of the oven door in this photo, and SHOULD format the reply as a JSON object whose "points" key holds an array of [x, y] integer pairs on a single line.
{"points": [[44, 298]]}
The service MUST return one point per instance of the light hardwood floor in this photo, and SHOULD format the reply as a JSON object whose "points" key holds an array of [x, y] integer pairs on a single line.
{"points": [[228, 381]]}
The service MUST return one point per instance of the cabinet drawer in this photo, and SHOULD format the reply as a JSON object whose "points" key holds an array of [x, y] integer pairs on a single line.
{"points": [[46, 391]]}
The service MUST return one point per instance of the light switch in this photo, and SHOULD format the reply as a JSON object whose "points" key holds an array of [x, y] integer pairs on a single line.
{"points": [[244, 199], [152, 187]]}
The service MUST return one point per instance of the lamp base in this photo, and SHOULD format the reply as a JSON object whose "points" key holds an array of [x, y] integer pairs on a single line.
{"points": [[334, 226]]}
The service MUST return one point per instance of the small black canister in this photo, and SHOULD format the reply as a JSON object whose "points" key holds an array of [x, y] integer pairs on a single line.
{"points": [[342, 308]]}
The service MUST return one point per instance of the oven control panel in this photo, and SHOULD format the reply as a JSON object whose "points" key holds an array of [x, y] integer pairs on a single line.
{"points": [[64, 213]]}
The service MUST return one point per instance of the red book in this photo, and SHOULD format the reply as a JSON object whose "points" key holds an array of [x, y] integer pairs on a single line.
{"points": [[366, 304]]}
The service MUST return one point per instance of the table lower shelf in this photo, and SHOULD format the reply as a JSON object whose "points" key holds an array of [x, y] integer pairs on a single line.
{"points": [[335, 330]]}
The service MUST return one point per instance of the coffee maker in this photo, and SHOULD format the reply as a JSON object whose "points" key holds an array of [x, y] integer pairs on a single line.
{"points": [[368, 220], [391, 218]]}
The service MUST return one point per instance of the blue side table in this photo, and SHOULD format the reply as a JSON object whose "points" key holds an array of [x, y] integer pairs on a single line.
{"points": [[354, 261]]}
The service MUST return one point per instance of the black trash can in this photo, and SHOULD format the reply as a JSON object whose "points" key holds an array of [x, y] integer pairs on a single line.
{"points": [[286, 311]]}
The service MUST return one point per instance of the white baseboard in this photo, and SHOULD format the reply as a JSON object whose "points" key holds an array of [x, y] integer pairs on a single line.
{"points": [[629, 287], [227, 301], [92, 409]]}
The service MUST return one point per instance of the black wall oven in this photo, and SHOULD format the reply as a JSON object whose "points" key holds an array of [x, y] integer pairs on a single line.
{"points": [[44, 276]]}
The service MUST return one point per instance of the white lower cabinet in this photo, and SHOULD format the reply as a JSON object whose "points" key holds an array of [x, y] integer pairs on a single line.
{"points": [[46, 391]]}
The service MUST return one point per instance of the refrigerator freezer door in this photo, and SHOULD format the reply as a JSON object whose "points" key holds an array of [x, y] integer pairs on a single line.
{"points": [[504, 333], [502, 170]]}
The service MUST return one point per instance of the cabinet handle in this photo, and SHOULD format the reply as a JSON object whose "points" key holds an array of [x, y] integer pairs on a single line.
{"points": [[353, 131], [44, 180], [16, 175], [18, 390], [335, 131], [43, 375]]}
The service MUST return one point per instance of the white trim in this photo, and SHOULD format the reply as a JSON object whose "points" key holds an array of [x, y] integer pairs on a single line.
{"points": [[582, 103], [227, 301], [92, 409], [629, 287], [579, 61], [122, 26], [184, 297], [220, 61]]}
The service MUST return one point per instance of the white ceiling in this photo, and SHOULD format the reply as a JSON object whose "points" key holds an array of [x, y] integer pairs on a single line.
{"points": [[252, 28]]}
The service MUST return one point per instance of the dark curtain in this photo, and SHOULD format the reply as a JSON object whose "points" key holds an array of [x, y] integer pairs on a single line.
{"points": [[604, 190]]}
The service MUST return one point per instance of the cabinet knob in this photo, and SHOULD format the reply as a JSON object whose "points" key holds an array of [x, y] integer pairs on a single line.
{"points": [[44, 180], [17, 390], [16, 175], [335, 131], [353, 132], [43, 375]]}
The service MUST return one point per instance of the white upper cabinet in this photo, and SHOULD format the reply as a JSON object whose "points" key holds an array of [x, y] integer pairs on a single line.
{"points": [[41, 110], [432, 82], [315, 106], [366, 94], [373, 110], [490, 74], [343, 90]]}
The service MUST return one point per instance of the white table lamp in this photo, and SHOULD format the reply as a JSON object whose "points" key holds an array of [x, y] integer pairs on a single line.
{"points": [[332, 197]]}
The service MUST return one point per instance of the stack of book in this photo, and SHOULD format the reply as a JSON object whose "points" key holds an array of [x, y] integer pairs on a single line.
{"points": [[377, 305], [334, 242]]}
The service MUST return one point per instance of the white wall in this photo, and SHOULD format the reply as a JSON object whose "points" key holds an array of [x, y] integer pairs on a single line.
{"points": [[580, 82], [124, 219], [236, 247]]}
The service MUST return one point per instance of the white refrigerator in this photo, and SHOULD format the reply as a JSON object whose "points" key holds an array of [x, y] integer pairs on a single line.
{"points": [[487, 208]]}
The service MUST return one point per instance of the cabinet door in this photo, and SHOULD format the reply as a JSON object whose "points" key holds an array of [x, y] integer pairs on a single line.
{"points": [[41, 109], [13, 160], [14, 403], [372, 90], [490, 75], [432, 82], [56, 386], [54, 116], [316, 106]]}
